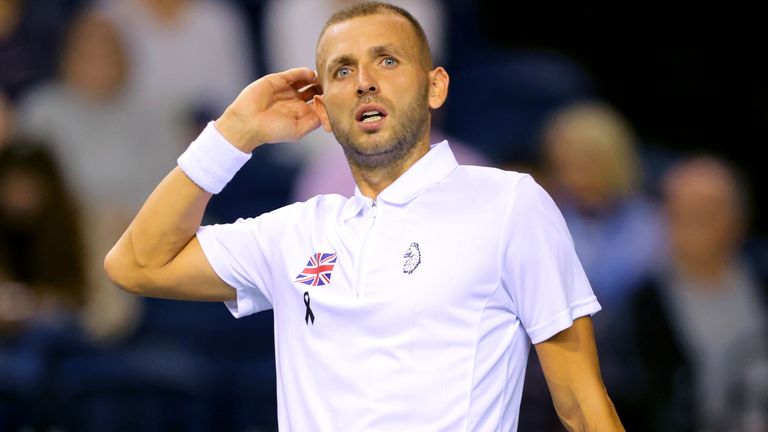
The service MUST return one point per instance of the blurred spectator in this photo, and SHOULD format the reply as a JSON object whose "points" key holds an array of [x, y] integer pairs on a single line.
{"points": [[112, 151], [42, 268], [500, 100], [186, 55], [592, 169], [701, 325], [42, 277], [291, 29]]}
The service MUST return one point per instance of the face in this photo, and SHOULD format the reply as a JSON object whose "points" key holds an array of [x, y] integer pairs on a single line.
{"points": [[702, 216], [94, 62], [579, 171], [376, 91], [22, 196]]}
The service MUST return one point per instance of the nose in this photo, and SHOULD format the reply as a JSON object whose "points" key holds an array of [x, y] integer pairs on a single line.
{"points": [[366, 83]]}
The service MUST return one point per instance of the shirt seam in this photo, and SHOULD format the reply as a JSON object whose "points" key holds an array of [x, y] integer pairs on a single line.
{"points": [[505, 232]]}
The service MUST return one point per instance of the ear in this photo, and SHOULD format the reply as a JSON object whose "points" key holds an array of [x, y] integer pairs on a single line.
{"points": [[438, 87], [319, 105]]}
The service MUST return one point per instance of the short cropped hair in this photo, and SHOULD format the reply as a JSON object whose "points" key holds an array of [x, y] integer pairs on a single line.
{"points": [[373, 8]]}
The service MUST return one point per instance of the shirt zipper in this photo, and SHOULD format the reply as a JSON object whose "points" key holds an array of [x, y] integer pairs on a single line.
{"points": [[364, 251]]}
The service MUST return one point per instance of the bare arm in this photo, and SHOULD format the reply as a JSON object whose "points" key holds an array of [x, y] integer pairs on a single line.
{"points": [[570, 365], [159, 255]]}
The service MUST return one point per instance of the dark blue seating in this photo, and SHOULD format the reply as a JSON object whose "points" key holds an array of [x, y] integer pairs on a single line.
{"points": [[498, 104]]}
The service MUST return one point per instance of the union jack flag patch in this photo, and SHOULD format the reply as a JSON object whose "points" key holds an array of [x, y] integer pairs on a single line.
{"points": [[318, 269]]}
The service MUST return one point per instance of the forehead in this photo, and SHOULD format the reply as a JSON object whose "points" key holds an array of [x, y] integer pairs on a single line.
{"points": [[357, 35]]}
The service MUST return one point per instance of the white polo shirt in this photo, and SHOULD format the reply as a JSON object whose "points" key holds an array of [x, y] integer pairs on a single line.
{"points": [[411, 313]]}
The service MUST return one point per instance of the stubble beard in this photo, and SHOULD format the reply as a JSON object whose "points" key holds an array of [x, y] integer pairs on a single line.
{"points": [[387, 151]]}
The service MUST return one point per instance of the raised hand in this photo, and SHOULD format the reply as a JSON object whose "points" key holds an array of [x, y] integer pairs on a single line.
{"points": [[272, 109]]}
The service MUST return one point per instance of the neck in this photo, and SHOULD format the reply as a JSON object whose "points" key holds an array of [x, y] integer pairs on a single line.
{"points": [[704, 269], [372, 181]]}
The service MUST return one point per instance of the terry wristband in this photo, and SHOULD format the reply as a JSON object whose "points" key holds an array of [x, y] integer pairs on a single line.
{"points": [[211, 161]]}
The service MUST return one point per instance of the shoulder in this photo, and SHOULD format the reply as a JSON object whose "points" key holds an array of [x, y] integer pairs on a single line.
{"points": [[41, 106], [494, 179], [41, 97], [504, 191]]}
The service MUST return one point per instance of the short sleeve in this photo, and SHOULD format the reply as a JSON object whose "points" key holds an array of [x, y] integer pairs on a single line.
{"points": [[539, 267], [240, 255]]}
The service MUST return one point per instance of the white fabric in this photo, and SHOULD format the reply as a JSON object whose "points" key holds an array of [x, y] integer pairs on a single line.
{"points": [[442, 348], [211, 161]]}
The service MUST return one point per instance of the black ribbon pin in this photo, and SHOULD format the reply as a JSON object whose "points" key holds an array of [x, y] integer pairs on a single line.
{"points": [[309, 315]]}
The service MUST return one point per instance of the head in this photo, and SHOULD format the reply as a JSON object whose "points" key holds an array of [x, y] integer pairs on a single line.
{"points": [[590, 154], [706, 211], [379, 85], [10, 17], [165, 11], [94, 61], [31, 185]]}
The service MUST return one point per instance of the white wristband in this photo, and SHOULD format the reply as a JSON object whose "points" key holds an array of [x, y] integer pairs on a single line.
{"points": [[211, 161]]}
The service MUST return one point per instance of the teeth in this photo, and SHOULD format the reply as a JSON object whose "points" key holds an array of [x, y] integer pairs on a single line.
{"points": [[371, 116], [372, 119]]}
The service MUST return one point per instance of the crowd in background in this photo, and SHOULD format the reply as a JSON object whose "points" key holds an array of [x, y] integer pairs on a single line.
{"points": [[97, 99]]}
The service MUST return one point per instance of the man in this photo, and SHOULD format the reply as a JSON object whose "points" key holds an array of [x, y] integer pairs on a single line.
{"points": [[413, 304], [705, 353]]}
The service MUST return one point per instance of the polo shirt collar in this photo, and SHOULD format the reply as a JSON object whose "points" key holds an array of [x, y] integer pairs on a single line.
{"points": [[437, 163]]}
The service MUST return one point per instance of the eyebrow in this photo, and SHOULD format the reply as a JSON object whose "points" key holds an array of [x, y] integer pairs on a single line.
{"points": [[344, 59], [381, 49], [374, 51]]}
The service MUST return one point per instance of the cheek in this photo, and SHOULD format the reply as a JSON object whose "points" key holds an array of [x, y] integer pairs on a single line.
{"points": [[336, 108]]}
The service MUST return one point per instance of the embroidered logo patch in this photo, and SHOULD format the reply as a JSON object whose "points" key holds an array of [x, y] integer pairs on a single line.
{"points": [[318, 269], [412, 258]]}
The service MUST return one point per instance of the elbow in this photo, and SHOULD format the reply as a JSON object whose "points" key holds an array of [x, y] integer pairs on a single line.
{"points": [[123, 272]]}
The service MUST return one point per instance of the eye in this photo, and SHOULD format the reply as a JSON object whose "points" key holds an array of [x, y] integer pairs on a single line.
{"points": [[389, 61], [343, 72]]}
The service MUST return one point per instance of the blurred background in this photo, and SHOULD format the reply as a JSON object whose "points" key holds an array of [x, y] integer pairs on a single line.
{"points": [[643, 123]]}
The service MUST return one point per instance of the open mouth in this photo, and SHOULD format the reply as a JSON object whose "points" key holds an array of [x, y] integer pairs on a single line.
{"points": [[371, 116], [370, 113]]}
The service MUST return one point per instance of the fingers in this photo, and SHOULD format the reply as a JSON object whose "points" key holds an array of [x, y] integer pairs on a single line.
{"points": [[307, 93], [308, 123], [298, 75]]}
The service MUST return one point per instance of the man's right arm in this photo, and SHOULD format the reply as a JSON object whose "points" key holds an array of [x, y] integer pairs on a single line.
{"points": [[159, 254]]}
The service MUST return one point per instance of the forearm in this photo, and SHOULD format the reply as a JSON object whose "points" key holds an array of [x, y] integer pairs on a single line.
{"points": [[172, 214], [592, 413], [168, 220], [570, 364], [158, 254]]}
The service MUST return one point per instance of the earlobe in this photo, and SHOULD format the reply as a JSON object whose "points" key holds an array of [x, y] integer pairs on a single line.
{"points": [[319, 106], [438, 87]]}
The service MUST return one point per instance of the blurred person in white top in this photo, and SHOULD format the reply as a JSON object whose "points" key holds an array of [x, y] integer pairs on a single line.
{"points": [[185, 54], [111, 150]]}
